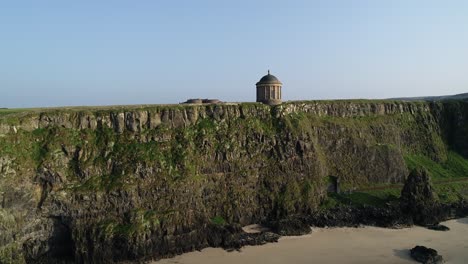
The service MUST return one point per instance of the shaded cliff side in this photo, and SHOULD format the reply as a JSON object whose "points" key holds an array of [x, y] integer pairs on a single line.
{"points": [[128, 183]]}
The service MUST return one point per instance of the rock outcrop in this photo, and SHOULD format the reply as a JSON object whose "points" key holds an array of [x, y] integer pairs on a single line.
{"points": [[419, 200]]}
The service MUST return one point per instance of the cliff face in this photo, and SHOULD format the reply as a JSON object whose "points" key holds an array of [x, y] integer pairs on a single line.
{"points": [[110, 184]]}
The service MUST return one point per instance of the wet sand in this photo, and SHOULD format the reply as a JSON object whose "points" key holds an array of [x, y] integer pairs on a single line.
{"points": [[344, 245]]}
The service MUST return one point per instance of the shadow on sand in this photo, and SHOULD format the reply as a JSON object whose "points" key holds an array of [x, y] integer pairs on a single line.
{"points": [[402, 253], [463, 220]]}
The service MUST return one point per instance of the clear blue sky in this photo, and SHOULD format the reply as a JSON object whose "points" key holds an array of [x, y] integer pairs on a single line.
{"points": [[55, 53]]}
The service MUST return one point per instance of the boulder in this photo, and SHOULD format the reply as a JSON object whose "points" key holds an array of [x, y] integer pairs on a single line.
{"points": [[426, 255]]}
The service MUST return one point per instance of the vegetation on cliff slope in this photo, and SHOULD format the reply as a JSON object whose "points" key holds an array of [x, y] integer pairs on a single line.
{"points": [[130, 182]]}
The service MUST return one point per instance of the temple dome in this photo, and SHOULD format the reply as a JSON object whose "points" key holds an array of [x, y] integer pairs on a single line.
{"points": [[269, 79]]}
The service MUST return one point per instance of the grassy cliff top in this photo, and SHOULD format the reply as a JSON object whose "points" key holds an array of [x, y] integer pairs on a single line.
{"points": [[106, 108]]}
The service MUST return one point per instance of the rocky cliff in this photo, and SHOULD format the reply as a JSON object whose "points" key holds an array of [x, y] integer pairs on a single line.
{"points": [[132, 183]]}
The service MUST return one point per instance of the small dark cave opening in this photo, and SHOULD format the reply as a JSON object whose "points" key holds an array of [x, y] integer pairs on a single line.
{"points": [[59, 248], [61, 244]]}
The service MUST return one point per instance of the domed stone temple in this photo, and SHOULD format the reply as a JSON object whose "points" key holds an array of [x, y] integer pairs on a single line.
{"points": [[269, 90]]}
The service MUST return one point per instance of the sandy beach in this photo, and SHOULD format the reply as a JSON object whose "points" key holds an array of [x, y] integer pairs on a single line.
{"points": [[344, 245]]}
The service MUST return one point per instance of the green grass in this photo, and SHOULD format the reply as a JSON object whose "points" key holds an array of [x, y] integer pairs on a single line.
{"points": [[5, 111], [103, 183], [26, 148], [454, 167], [448, 192], [218, 220], [12, 253], [452, 192], [376, 198], [141, 222]]}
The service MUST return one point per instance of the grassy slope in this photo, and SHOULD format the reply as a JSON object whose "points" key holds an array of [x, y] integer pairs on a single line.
{"points": [[450, 181], [456, 166]]}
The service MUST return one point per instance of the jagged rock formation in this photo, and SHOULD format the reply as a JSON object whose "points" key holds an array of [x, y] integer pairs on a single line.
{"points": [[419, 200], [117, 184]]}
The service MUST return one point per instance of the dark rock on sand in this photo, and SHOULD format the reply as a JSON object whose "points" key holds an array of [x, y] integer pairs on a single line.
{"points": [[426, 255], [349, 216], [232, 237], [248, 239], [438, 227], [292, 226]]}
